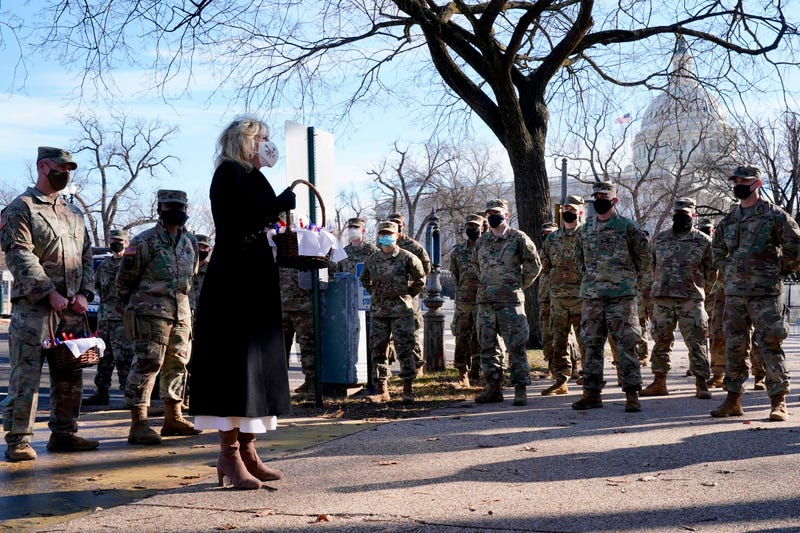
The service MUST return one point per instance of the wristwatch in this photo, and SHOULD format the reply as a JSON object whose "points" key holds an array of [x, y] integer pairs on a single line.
{"points": [[89, 295]]}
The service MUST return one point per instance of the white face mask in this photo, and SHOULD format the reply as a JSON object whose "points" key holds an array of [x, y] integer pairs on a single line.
{"points": [[354, 234], [267, 153]]}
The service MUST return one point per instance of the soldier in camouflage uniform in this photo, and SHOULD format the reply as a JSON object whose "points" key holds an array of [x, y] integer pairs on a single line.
{"points": [[154, 281], [558, 262], [507, 262], [466, 357], [756, 244], [411, 245], [611, 251], [48, 251], [119, 349], [204, 256], [543, 294], [357, 250], [298, 321], [392, 276], [683, 274]]}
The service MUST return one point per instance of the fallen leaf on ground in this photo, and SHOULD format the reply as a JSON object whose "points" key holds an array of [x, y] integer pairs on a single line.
{"points": [[387, 463], [265, 512], [709, 483], [528, 449], [322, 518]]}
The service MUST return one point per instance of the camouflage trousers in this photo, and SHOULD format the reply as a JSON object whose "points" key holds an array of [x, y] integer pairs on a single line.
{"points": [[300, 325], [565, 316], [765, 314], [509, 322], [690, 315], [547, 332], [160, 345], [717, 339], [467, 351], [402, 331], [617, 317], [118, 353], [28, 328], [645, 309]]}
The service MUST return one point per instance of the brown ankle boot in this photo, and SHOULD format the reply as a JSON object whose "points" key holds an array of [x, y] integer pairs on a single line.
{"points": [[140, 432], [381, 393], [229, 463], [778, 410], [493, 393], [730, 407], [463, 378], [715, 381], [309, 386], [251, 460], [590, 400], [408, 391], [174, 423], [658, 387], [632, 404], [520, 394], [701, 389], [559, 387]]}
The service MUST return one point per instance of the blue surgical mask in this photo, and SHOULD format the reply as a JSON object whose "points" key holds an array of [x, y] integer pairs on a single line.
{"points": [[387, 240]]}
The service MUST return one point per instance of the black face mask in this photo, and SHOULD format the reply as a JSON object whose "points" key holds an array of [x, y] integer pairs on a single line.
{"points": [[58, 179], [495, 220], [117, 247], [602, 206], [681, 222], [472, 233], [203, 255], [742, 192], [569, 217], [174, 217]]}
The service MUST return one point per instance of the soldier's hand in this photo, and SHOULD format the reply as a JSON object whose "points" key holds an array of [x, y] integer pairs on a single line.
{"points": [[56, 301], [79, 304]]}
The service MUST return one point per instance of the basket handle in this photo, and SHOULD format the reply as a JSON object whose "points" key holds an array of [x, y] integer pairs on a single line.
{"points": [[319, 198], [50, 319]]}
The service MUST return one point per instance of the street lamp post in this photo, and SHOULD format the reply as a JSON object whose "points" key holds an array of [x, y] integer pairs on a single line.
{"points": [[433, 318], [72, 189]]}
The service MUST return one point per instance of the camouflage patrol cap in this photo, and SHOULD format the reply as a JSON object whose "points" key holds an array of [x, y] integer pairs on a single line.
{"points": [[498, 204], [168, 195], [397, 218], [203, 239], [387, 227], [118, 235], [704, 222], [749, 172], [548, 226], [608, 187], [59, 155], [474, 219], [575, 201], [356, 222], [685, 203]]}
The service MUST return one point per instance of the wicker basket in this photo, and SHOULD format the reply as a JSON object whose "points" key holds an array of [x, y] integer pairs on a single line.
{"points": [[61, 359], [288, 254]]}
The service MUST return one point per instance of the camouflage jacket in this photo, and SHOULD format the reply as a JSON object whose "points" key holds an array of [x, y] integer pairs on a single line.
{"points": [[611, 255], [111, 307], [392, 281], [197, 284], [410, 245], [755, 248], [683, 267], [558, 261], [355, 255], [293, 298], [506, 264], [47, 247], [155, 276], [463, 270]]}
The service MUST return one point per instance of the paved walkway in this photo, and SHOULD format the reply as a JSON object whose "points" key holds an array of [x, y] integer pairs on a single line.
{"points": [[544, 467]]}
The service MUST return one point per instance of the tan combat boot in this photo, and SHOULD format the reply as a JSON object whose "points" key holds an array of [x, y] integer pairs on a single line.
{"points": [[20, 451], [463, 378], [520, 394], [730, 407], [658, 387], [408, 391], [381, 393], [590, 400], [140, 432], [308, 386], [559, 387], [778, 412], [632, 404], [715, 381], [759, 383], [174, 423], [701, 389], [493, 393]]}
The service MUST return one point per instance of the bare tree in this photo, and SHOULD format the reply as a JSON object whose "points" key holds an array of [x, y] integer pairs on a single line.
{"points": [[122, 152]]}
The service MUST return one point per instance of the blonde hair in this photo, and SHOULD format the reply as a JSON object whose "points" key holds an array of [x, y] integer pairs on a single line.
{"points": [[235, 142]]}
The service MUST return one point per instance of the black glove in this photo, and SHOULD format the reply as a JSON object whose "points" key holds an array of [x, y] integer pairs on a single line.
{"points": [[286, 200]]}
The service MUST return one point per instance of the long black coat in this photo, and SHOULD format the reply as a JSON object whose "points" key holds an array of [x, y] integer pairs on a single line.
{"points": [[238, 360]]}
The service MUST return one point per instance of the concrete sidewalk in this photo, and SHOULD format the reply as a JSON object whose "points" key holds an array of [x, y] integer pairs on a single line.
{"points": [[544, 467]]}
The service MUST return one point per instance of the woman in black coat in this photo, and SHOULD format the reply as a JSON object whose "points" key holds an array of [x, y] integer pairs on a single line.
{"points": [[239, 377]]}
